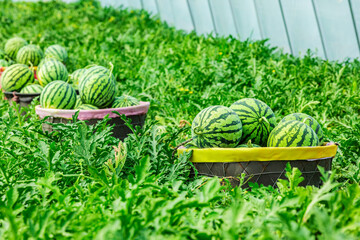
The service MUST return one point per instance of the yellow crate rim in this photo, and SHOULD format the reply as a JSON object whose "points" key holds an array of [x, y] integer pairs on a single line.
{"points": [[260, 154]]}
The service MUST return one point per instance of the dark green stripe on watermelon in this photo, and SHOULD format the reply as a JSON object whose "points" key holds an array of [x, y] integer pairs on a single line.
{"points": [[257, 118]]}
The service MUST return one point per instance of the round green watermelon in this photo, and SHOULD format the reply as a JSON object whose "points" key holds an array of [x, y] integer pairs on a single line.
{"points": [[257, 119], [216, 126], [125, 101], [58, 95], [97, 89], [87, 107], [13, 45], [33, 88], [52, 70], [93, 70], [15, 77], [56, 52], [308, 120], [78, 102], [30, 55], [292, 134], [75, 76]]}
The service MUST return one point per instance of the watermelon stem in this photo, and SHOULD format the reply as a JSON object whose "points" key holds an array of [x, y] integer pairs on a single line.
{"points": [[196, 131], [265, 120], [305, 119]]}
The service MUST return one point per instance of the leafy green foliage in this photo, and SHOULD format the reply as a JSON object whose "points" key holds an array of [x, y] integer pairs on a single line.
{"points": [[79, 182]]}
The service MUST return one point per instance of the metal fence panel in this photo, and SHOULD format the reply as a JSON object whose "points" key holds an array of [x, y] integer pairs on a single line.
{"points": [[150, 6], [222, 17], [272, 23], [245, 18], [182, 16], [201, 14], [337, 28], [302, 27]]}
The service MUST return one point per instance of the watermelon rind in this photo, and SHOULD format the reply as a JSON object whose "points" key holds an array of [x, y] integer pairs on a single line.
{"points": [[257, 119], [52, 70], [125, 101], [308, 120], [97, 89], [217, 127], [30, 55], [75, 76], [292, 133], [13, 45], [33, 88], [15, 77], [86, 107], [58, 95], [56, 52], [93, 70]]}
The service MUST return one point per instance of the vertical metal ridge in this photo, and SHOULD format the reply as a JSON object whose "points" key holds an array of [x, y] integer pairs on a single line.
{"points": [[354, 23], [157, 7], [319, 28], [285, 25], [191, 15], [212, 16], [233, 17], [258, 20]]}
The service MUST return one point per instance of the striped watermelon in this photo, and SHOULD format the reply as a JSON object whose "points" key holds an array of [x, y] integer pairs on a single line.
{"points": [[15, 77], [95, 69], [52, 70], [97, 89], [308, 120], [216, 126], [248, 145], [125, 101], [78, 102], [56, 52], [33, 88], [58, 95], [30, 55], [87, 107], [257, 119], [75, 76], [292, 134], [13, 45], [3, 63]]}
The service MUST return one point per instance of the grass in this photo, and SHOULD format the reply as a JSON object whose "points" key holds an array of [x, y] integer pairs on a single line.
{"points": [[63, 185]]}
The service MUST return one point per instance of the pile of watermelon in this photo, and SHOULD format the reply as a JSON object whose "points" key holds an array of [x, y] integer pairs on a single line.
{"points": [[96, 84], [250, 122]]}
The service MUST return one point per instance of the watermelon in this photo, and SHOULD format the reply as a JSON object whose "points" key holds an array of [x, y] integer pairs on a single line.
{"points": [[87, 107], [56, 52], [308, 120], [292, 133], [13, 45], [95, 69], [216, 126], [97, 89], [58, 95], [33, 88], [257, 119], [78, 102], [15, 77], [3, 63], [52, 70], [30, 55], [75, 76], [125, 101]]}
